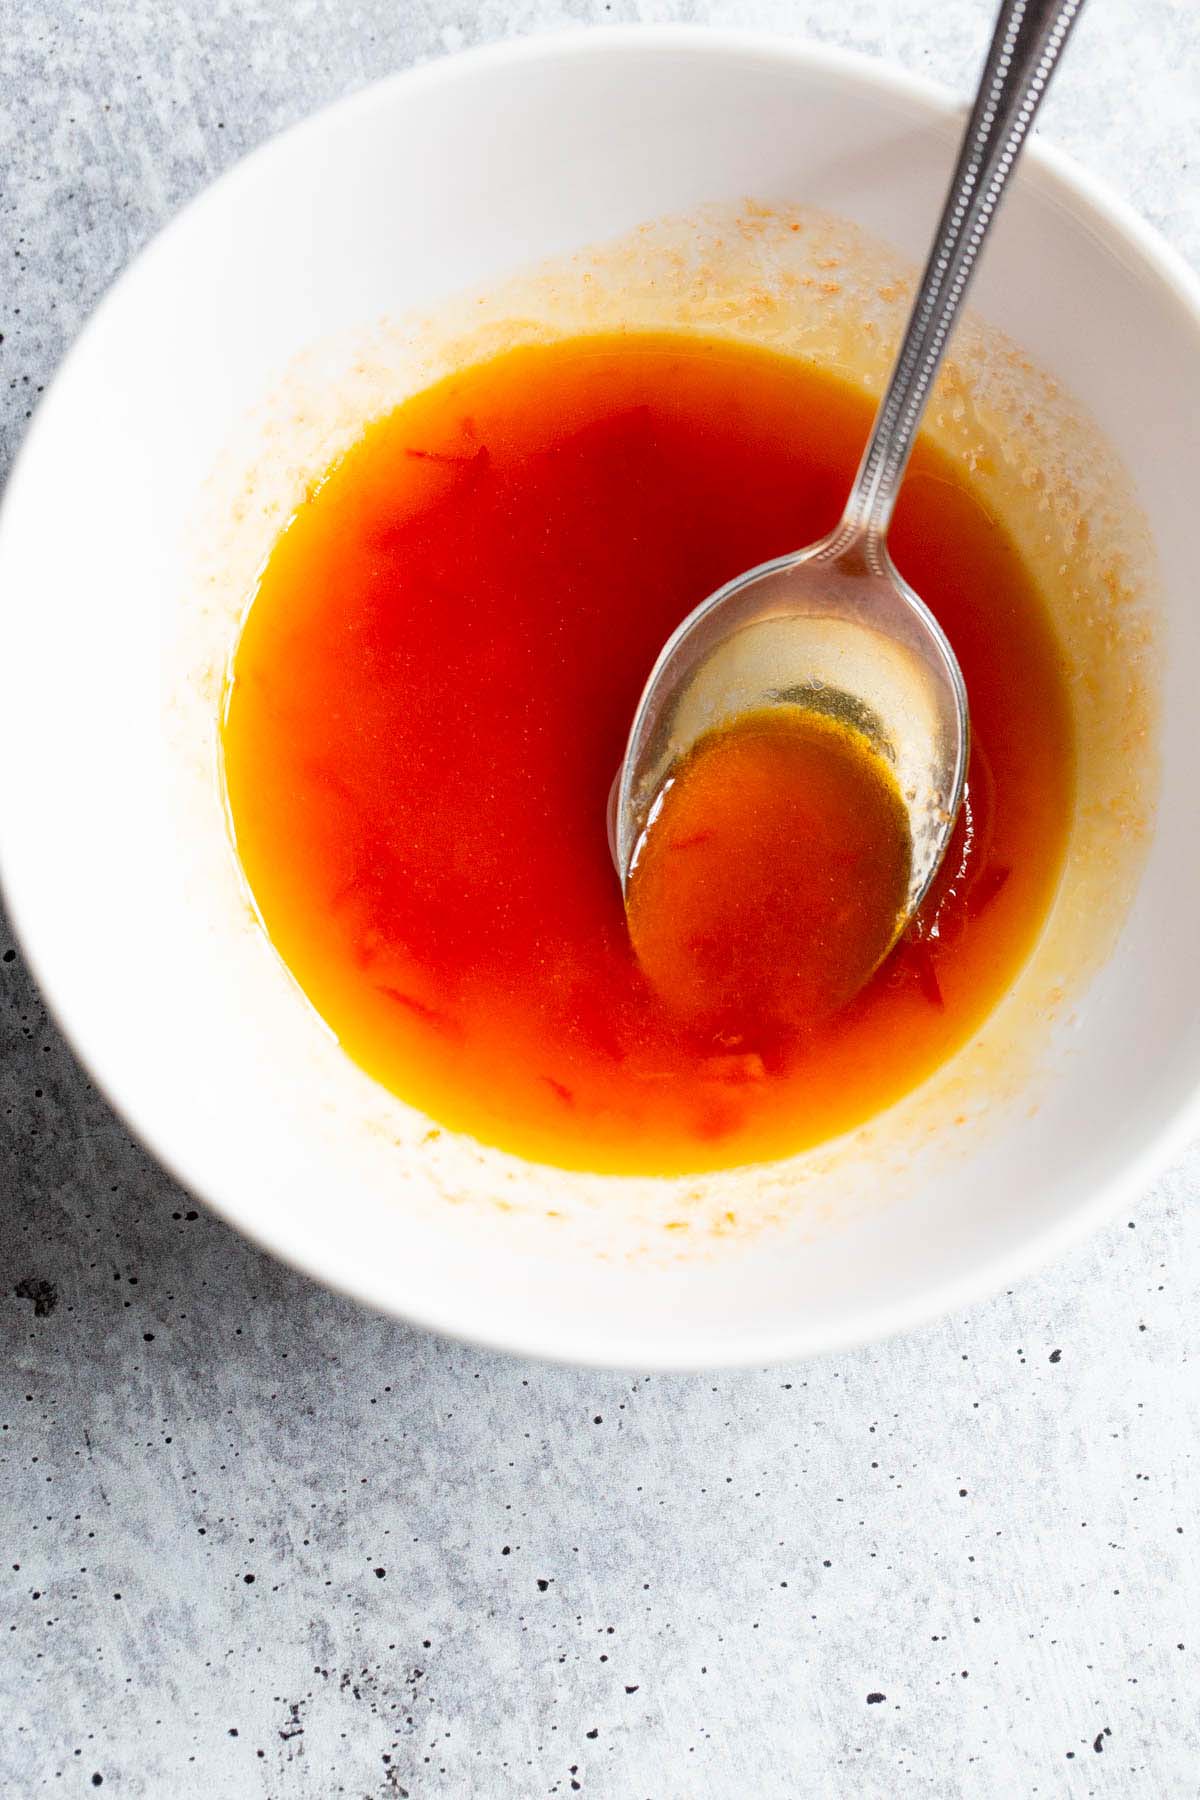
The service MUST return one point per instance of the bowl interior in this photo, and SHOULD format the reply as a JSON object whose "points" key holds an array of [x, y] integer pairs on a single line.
{"points": [[440, 180]]}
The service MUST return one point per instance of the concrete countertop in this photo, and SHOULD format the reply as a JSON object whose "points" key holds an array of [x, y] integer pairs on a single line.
{"points": [[256, 1541]]}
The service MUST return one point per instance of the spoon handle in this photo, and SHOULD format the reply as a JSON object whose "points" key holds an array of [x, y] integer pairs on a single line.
{"points": [[1025, 47]]}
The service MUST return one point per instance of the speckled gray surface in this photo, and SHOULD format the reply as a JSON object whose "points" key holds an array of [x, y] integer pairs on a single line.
{"points": [[257, 1542]]}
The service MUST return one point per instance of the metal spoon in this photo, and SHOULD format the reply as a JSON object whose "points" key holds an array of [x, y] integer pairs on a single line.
{"points": [[835, 627]]}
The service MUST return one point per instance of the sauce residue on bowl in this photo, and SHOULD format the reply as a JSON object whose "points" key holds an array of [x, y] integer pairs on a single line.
{"points": [[432, 691]]}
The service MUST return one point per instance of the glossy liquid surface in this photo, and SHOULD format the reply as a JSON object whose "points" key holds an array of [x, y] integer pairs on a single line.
{"points": [[770, 881], [432, 692]]}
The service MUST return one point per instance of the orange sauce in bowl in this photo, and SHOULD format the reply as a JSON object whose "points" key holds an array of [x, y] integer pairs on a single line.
{"points": [[430, 697]]}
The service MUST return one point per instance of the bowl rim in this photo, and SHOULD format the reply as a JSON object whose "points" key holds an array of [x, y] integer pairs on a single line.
{"points": [[1050, 171]]}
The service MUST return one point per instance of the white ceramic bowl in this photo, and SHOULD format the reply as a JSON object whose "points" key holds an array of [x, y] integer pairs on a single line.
{"points": [[442, 178]]}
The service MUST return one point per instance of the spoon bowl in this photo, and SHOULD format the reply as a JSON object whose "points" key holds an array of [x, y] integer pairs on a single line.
{"points": [[824, 631]]}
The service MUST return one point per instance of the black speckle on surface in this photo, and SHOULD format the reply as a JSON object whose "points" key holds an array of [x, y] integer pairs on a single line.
{"points": [[249, 1580], [543, 1584], [874, 1699], [44, 1295], [380, 1573], [293, 1728], [1098, 1744], [1056, 1356], [97, 1779]]}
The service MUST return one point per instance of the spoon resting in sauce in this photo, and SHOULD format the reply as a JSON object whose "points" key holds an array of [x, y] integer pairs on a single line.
{"points": [[825, 673]]}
